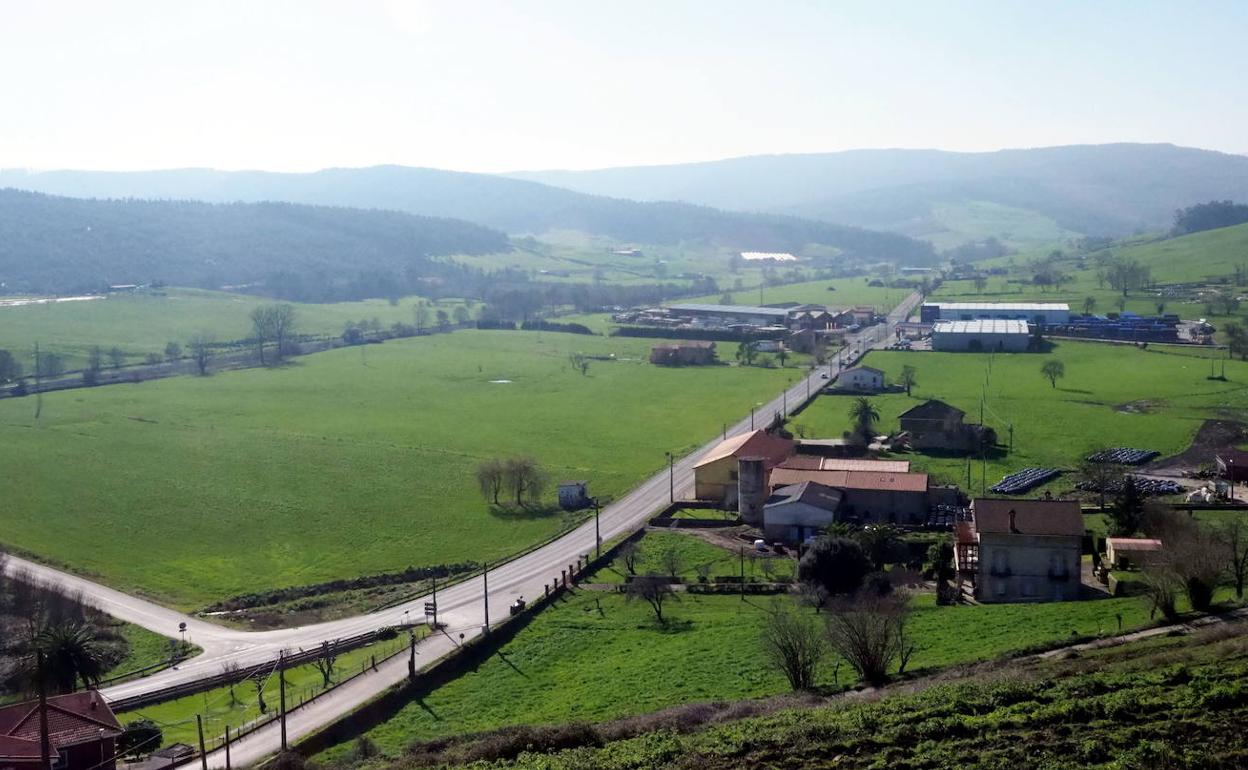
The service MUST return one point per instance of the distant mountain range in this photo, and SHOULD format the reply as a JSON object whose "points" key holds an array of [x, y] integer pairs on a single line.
{"points": [[512, 205], [1114, 189], [59, 244]]}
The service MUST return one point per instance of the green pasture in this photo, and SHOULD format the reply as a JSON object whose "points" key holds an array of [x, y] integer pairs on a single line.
{"points": [[1112, 395], [835, 292], [348, 462], [691, 556], [143, 323]]}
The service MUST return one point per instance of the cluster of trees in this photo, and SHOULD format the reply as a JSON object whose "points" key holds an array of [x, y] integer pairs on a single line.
{"points": [[274, 323], [1195, 560], [865, 617], [1236, 339], [522, 479], [1209, 216], [1121, 274], [78, 643]]}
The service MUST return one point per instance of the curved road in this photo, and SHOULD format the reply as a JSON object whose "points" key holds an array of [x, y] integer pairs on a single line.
{"points": [[461, 606]]}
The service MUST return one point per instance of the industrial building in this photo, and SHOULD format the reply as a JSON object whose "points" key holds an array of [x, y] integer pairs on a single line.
{"points": [[981, 335], [1038, 313]]}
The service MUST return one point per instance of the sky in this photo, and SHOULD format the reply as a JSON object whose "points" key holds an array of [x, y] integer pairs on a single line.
{"points": [[499, 86]]}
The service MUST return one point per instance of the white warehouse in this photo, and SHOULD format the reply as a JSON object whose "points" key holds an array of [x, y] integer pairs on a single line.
{"points": [[1000, 335], [1038, 313]]}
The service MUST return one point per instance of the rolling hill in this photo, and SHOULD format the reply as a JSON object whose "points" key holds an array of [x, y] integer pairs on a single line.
{"points": [[1114, 189], [511, 205], [56, 244]]}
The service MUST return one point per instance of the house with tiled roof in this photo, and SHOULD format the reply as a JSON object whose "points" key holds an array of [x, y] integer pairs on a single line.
{"points": [[1021, 550], [715, 474], [82, 733]]}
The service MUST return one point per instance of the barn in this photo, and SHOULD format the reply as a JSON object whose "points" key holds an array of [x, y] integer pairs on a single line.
{"points": [[981, 335]]}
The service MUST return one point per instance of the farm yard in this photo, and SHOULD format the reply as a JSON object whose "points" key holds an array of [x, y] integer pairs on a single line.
{"points": [[1111, 396], [343, 463]]}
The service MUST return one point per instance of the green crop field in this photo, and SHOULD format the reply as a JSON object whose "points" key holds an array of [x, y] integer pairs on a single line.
{"points": [[835, 292], [1112, 395], [343, 463], [143, 323], [692, 556], [593, 656]]}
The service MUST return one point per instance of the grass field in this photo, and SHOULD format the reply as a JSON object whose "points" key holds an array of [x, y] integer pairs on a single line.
{"points": [[835, 292], [1111, 396], [142, 324], [594, 656], [343, 463], [694, 555], [220, 709]]}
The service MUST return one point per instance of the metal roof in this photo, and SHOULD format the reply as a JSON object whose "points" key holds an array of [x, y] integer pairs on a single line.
{"points": [[694, 307], [981, 326], [1007, 307]]}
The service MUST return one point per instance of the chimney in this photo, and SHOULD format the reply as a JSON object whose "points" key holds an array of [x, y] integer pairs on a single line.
{"points": [[1013, 522], [751, 489]]}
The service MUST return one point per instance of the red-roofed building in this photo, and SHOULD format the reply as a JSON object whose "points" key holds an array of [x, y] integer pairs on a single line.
{"points": [[870, 496], [1021, 550], [82, 732], [715, 474]]}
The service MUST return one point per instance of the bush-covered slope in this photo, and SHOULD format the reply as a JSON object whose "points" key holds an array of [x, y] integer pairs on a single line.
{"points": [[50, 244]]}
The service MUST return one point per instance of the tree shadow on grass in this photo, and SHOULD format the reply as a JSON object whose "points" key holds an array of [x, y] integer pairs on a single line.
{"points": [[524, 512], [428, 709], [669, 626], [503, 657]]}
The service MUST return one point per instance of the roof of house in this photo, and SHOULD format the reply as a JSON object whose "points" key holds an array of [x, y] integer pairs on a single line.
{"points": [[809, 492], [757, 443], [991, 515], [74, 718], [863, 369], [1134, 543], [874, 480], [932, 410], [982, 326], [817, 463]]}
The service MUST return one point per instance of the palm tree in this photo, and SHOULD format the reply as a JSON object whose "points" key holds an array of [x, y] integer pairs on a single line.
{"points": [[71, 653], [865, 416]]}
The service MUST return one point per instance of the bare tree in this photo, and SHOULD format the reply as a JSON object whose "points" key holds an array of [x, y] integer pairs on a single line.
{"points": [[491, 476], [326, 662], [1101, 478], [421, 315], [868, 631], [1053, 370], [1190, 559], [794, 645], [525, 478], [273, 323], [673, 563], [580, 362], [629, 552], [173, 351], [261, 328], [1232, 535], [230, 670], [908, 378], [653, 590], [116, 357], [258, 680], [201, 353]]}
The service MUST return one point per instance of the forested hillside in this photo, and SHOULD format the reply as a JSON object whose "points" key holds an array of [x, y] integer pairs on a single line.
{"points": [[511, 205], [55, 244], [1113, 189]]}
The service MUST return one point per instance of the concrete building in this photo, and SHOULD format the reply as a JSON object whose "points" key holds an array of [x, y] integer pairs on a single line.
{"points": [[692, 353], [937, 425], [799, 511], [984, 335], [868, 497], [1021, 550], [82, 731], [715, 476], [574, 495], [864, 379], [1038, 313], [1122, 552]]}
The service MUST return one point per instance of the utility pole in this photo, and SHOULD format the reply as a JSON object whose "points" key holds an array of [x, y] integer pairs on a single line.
{"points": [[751, 418], [435, 601], [281, 679], [227, 748], [45, 743], [485, 587], [742, 573], [597, 532], [203, 754], [671, 479]]}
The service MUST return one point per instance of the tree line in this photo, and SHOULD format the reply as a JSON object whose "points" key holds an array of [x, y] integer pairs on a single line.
{"points": [[521, 479]]}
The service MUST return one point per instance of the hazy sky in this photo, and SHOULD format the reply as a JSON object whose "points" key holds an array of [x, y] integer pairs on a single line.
{"points": [[485, 86]]}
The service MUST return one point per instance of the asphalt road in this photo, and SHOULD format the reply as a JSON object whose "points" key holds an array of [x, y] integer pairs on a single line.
{"points": [[461, 607]]}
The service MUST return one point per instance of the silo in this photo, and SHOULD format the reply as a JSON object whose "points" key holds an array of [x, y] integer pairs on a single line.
{"points": [[751, 490]]}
